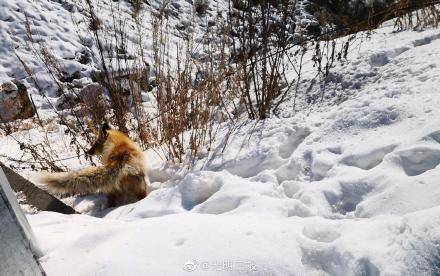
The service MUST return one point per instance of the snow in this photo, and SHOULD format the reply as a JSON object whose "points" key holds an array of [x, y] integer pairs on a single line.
{"points": [[346, 187], [349, 189]]}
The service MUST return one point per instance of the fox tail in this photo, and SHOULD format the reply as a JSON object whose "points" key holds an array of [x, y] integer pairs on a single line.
{"points": [[85, 181]]}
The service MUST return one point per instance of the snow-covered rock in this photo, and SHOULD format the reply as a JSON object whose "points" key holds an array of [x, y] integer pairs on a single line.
{"points": [[14, 102]]}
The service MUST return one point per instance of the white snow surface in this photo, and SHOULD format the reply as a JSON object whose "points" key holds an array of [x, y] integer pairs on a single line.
{"points": [[346, 189], [350, 189]]}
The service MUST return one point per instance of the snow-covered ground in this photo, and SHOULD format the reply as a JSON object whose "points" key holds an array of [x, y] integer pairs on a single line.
{"points": [[350, 189], [346, 189]]}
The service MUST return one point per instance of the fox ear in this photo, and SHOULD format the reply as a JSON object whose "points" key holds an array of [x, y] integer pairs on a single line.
{"points": [[105, 127]]}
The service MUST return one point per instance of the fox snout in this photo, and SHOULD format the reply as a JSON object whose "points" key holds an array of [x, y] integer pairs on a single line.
{"points": [[97, 146], [91, 151]]}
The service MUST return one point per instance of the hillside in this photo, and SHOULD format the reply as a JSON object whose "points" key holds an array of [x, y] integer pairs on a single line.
{"points": [[346, 186]]}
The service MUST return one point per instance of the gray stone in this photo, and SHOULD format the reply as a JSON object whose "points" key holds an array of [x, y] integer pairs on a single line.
{"points": [[14, 102], [92, 92], [66, 101]]}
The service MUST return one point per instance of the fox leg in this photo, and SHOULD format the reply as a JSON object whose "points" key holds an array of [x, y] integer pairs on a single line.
{"points": [[136, 185], [113, 199], [133, 188], [119, 197], [140, 190]]}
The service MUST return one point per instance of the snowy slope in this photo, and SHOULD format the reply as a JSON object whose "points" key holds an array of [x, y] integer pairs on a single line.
{"points": [[348, 189], [334, 189], [62, 27]]}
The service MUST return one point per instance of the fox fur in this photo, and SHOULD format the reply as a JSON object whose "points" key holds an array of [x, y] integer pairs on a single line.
{"points": [[121, 177]]}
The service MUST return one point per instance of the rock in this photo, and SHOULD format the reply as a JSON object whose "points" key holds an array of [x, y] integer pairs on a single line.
{"points": [[81, 83], [211, 23], [97, 76], [93, 97], [92, 93], [66, 101], [83, 57], [9, 87], [14, 102], [66, 77]]}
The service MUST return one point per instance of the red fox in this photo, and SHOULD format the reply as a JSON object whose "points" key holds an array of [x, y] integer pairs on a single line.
{"points": [[121, 178]]}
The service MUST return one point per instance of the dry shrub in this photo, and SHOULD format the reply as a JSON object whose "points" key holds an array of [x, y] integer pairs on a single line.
{"points": [[345, 18], [417, 14], [188, 94], [242, 70], [260, 54]]}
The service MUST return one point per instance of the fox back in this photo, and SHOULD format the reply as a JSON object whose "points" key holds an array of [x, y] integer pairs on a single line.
{"points": [[115, 148]]}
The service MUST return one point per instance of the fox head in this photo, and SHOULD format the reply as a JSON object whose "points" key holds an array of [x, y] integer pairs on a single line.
{"points": [[98, 146], [113, 146]]}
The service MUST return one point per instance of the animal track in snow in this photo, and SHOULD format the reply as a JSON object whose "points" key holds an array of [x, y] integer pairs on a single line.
{"points": [[296, 208], [368, 160], [335, 150], [419, 159], [426, 40], [351, 194], [383, 58], [366, 267], [321, 233], [326, 259], [198, 187], [290, 188], [293, 141], [219, 205], [179, 242], [433, 136]]}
